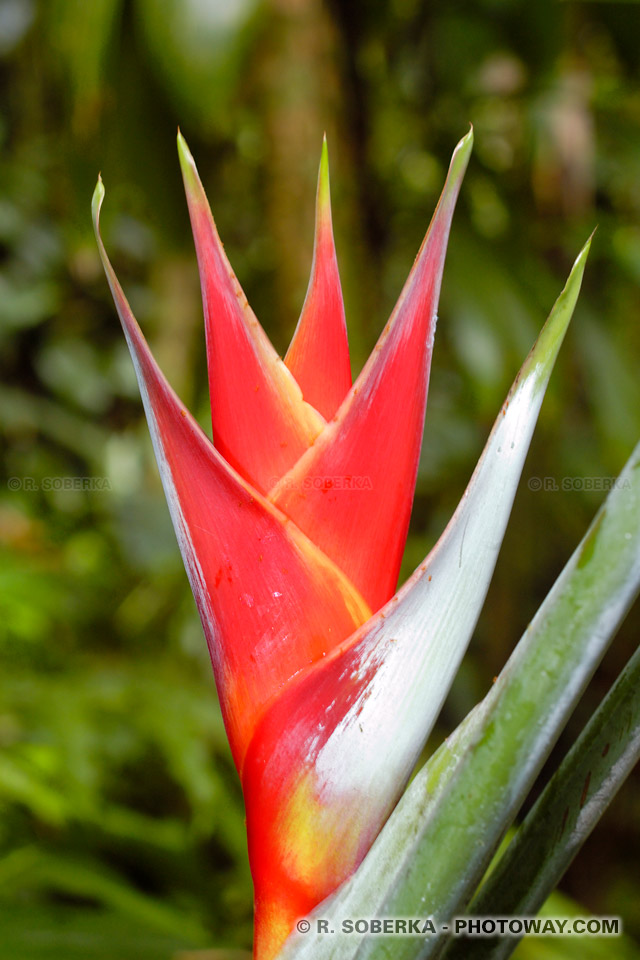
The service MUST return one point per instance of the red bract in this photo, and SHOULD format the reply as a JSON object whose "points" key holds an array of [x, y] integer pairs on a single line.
{"points": [[292, 525]]}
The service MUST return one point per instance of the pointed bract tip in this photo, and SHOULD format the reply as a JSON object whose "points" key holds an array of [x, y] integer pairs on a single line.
{"points": [[324, 193], [183, 150], [546, 347], [587, 247], [463, 149], [187, 163], [192, 185], [456, 172], [574, 280], [96, 200]]}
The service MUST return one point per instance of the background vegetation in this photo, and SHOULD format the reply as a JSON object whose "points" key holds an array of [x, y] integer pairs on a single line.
{"points": [[121, 820]]}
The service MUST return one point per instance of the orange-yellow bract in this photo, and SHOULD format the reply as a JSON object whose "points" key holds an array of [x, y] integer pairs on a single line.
{"points": [[292, 524]]}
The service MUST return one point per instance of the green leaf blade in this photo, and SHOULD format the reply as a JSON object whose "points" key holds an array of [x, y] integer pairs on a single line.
{"points": [[563, 817]]}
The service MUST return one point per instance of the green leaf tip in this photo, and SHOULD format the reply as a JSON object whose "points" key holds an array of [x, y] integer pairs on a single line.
{"points": [[187, 163], [457, 170], [183, 150], [545, 350], [96, 201], [463, 150], [324, 193]]}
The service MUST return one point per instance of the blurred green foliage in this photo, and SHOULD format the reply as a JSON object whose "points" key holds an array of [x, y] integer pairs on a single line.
{"points": [[121, 821]]}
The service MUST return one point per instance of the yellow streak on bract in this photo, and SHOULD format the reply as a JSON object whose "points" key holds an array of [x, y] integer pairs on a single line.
{"points": [[319, 847], [275, 927], [357, 607]]}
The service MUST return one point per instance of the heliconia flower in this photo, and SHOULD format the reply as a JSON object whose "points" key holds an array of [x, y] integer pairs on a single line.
{"points": [[292, 525]]}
